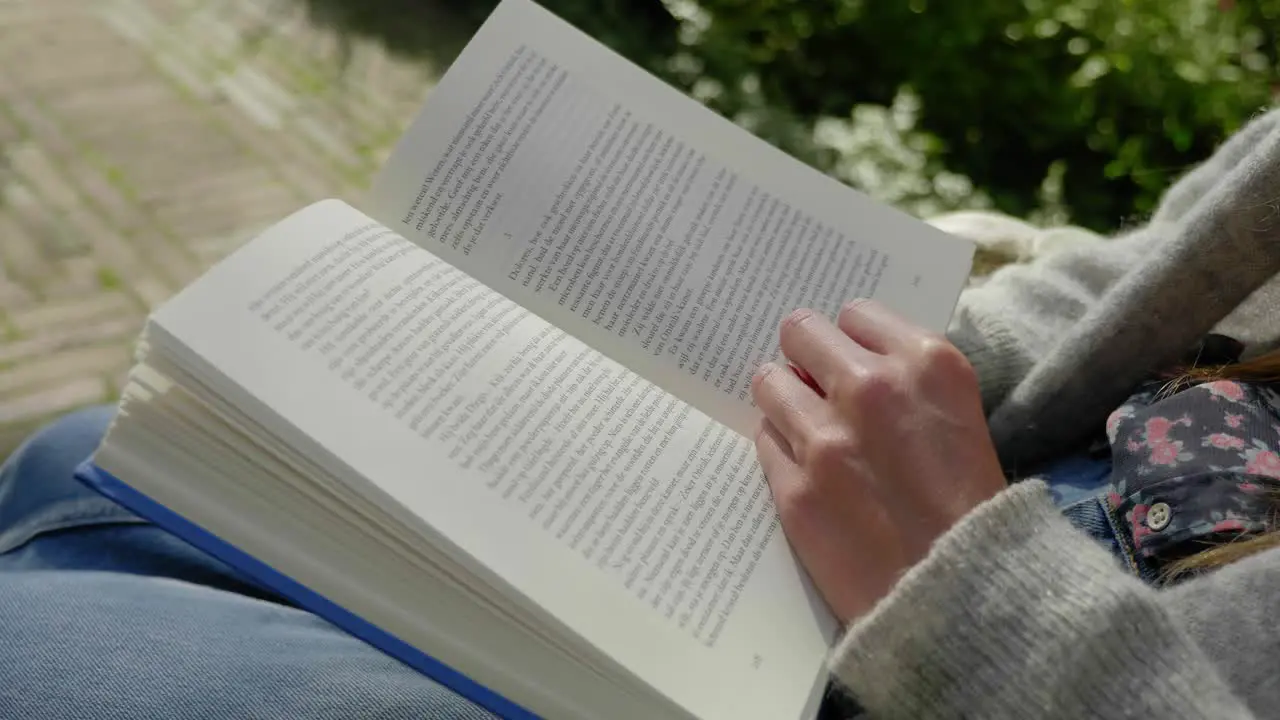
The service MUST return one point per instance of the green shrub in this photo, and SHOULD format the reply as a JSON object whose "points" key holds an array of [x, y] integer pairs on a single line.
{"points": [[1090, 107]]}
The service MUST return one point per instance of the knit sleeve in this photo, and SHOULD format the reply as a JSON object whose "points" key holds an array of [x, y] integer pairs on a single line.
{"points": [[1013, 320], [1015, 614], [1024, 312]]}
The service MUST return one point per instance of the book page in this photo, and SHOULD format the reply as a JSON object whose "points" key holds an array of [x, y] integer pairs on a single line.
{"points": [[610, 204], [629, 517]]}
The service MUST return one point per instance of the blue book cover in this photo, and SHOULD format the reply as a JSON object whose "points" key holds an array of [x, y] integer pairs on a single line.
{"points": [[266, 576]]}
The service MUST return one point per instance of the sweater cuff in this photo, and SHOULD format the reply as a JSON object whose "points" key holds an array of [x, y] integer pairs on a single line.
{"points": [[998, 594]]}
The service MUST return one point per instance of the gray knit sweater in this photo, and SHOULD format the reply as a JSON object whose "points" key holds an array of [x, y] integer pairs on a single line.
{"points": [[1015, 614]]}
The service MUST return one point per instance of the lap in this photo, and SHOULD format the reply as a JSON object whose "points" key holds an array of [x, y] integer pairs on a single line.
{"points": [[107, 616]]}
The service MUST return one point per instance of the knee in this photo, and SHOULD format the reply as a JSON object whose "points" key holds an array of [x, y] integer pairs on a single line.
{"points": [[68, 440]]}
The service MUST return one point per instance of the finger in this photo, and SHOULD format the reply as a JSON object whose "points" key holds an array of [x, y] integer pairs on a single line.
{"points": [[807, 378], [827, 529], [812, 342], [877, 328], [776, 459], [789, 404]]}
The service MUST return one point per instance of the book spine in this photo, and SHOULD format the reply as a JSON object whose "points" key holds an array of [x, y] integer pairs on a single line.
{"points": [[264, 575]]}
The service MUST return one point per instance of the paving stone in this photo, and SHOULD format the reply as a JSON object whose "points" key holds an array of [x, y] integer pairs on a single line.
{"points": [[11, 133], [160, 156], [152, 290], [113, 96], [122, 330], [107, 195], [36, 236], [41, 176], [17, 17], [52, 369], [48, 402], [110, 126], [82, 277], [290, 159], [41, 128], [98, 237], [168, 256], [169, 10], [71, 53], [14, 296], [330, 142], [301, 170], [20, 252], [143, 140], [213, 249], [76, 72], [85, 310], [257, 97], [217, 213], [213, 184], [188, 77]]}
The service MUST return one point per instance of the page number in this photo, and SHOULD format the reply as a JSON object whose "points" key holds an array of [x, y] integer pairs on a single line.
{"points": [[915, 281], [756, 661]]}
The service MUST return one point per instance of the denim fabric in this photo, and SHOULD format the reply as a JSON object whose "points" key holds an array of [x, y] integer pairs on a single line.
{"points": [[1093, 515], [104, 616], [1076, 478], [1079, 485]]}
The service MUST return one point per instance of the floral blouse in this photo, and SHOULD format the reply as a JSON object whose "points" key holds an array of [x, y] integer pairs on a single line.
{"points": [[1195, 467]]}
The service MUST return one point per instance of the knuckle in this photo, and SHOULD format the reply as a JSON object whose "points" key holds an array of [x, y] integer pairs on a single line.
{"points": [[829, 448], [939, 354], [798, 502], [762, 433], [867, 389], [761, 375]]}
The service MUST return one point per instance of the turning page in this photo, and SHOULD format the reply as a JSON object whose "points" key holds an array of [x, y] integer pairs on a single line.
{"points": [[615, 207]]}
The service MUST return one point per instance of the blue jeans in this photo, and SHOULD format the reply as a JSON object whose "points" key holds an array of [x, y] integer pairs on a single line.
{"points": [[103, 615], [1079, 484]]}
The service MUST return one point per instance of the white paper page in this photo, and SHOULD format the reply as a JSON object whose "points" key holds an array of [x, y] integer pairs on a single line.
{"points": [[637, 521], [595, 195]]}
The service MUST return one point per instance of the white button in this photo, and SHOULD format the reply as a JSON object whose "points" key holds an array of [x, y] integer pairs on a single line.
{"points": [[1158, 516]]}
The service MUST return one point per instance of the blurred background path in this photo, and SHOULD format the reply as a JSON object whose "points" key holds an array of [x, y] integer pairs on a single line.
{"points": [[140, 141]]}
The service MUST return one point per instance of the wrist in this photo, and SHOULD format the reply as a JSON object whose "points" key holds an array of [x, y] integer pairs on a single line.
{"points": [[974, 608]]}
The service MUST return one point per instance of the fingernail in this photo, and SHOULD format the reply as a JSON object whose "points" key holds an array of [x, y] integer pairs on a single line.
{"points": [[764, 371]]}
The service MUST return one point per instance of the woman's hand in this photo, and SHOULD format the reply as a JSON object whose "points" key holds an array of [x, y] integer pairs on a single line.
{"points": [[867, 477]]}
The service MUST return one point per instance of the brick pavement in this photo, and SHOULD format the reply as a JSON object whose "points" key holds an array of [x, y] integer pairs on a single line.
{"points": [[140, 141]]}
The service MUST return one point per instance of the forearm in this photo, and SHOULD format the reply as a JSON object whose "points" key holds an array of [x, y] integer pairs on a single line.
{"points": [[1016, 614]]}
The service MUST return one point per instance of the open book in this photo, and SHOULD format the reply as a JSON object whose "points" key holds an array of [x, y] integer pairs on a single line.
{"points": [[500, 425]]}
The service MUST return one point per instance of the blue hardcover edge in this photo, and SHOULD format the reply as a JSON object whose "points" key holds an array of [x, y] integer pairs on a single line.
{"points": [[261, 573]]}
